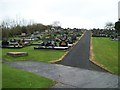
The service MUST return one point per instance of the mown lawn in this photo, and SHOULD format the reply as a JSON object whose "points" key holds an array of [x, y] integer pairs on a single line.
{"points": [[14, 78], [0, 75], [0, 54], [0, 68], [106, 53], [35, 55]]}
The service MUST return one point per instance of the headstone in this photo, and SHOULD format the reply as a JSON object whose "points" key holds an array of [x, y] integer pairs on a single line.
{"points": [[23, 34], [32, 36], [13, 40], [63, 44], [70, 41], [5, 43], [20, 43], [74, 38]]}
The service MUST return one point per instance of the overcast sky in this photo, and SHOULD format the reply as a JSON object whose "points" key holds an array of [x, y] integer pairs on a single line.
{"points": [[70, 13]]}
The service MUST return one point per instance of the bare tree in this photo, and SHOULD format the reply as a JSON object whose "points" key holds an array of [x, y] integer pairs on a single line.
{"points": [[56, 24]]}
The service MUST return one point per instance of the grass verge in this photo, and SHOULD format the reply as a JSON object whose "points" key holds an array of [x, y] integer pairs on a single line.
{"points": [[105, 53], [0, 68], [35, 55], [14, 78], [0, 75]]}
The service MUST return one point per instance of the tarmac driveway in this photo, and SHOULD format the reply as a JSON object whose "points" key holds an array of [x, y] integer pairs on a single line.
{"points": [[69, 77], [79, 55]]}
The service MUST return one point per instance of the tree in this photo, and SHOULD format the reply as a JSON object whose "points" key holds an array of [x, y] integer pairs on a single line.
{"points": [[109, 26], [12, 27], [56, 25], [4, 26], [0, 33], [117, 27]]}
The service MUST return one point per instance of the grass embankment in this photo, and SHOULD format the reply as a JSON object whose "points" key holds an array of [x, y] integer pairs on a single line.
{"points": [[35, 55], [105, 52], [14, 78]]}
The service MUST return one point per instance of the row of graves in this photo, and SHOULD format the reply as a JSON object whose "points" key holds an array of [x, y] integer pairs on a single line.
{"points": [[15, 43], [113, 33], [19, 42], [58, 40], [105, 33], [53, 40]]}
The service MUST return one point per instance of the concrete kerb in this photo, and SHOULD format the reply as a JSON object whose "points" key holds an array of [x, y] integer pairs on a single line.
{"points": [[60, 59], [91, 58]]}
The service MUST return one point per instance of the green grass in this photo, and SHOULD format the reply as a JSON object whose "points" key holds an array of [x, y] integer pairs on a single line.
{"points": [[35, 55], [0, 52], [0, 68], [36, 42], [106, 53], [14, 78], [0, 75]]}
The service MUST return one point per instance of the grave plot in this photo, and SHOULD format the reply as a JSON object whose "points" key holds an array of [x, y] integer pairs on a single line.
{"points": [[32, 38], [53, 43], [13, 43], [16, 54], [9, 44]]}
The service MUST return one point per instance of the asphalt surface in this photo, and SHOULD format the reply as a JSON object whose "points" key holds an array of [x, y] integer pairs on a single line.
{"points": [[69, 77], [79, 55]]}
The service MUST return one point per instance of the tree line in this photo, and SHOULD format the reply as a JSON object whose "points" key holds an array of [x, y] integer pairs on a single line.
{"points": [[12, 28]]}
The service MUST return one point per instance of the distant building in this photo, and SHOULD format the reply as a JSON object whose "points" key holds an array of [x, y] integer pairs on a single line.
{"points": [[119, 10]]}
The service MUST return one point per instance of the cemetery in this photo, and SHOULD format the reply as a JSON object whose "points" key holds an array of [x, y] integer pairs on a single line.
{"points": [[57, 41], [52, 44], [46, 47], [13, 43], [75, 52]]}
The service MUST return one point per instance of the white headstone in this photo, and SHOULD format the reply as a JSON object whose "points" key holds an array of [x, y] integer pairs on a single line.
{"points": [[32, 36], [23, 34], [119, 10]]}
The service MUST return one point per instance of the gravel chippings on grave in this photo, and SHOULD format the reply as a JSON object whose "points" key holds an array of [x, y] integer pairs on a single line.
{"points": [[69, 77]]}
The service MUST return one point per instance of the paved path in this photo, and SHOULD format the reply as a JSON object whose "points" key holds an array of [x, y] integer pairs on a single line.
{"points": [[79, 55], [69, 77]]}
